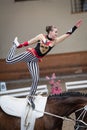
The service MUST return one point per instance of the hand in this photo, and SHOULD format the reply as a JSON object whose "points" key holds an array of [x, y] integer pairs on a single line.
{"points": [[78, 23]]}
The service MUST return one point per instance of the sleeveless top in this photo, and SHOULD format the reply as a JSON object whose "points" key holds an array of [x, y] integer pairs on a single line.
{"points": [[41, 49]]}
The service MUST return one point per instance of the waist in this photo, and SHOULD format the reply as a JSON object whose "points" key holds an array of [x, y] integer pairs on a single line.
{"points": [[33, 51]]}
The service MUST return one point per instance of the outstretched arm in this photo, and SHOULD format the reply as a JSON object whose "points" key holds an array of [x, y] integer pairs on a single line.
{"points": [[32, 41], [63, 37]]}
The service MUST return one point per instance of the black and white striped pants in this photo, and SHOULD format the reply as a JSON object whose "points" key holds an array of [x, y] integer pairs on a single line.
{"points": [[32, 63]]}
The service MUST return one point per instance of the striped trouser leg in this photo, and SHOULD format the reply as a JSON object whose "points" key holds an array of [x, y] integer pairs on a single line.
{"points": [[34, 70], [31, 61], [12, 58]]}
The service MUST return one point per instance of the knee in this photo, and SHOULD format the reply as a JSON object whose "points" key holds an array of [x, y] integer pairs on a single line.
{"points": [[37, 79], [8, 61]]}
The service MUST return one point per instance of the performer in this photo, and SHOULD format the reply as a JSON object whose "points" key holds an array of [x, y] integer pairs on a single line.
{"points": [[44, 43]]}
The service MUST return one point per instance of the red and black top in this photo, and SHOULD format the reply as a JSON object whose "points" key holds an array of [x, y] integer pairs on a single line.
{"points": [[41, 48]]}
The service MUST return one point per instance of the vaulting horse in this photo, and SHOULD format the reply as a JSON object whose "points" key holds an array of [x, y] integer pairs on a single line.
{"points": [[58, 108]]}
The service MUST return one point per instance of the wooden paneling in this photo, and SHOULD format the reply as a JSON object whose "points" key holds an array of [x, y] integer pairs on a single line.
{"points": [[61, 64]]}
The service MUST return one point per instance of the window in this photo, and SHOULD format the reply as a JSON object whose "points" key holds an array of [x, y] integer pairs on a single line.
{"points": [[20, 0], [78, 6]]}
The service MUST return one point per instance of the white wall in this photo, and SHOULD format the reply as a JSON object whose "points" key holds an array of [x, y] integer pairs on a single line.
{"points": [[27, 19]]}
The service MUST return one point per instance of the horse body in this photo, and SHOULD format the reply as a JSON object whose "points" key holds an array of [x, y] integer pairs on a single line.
{"points": [[62, 105], [8, 122]]}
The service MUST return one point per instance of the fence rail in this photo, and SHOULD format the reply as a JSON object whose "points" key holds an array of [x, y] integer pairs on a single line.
{"points": [[24, 91], [76, 85]]}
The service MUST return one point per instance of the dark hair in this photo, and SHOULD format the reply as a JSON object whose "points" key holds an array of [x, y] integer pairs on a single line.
{"points": [[49, 28]]}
